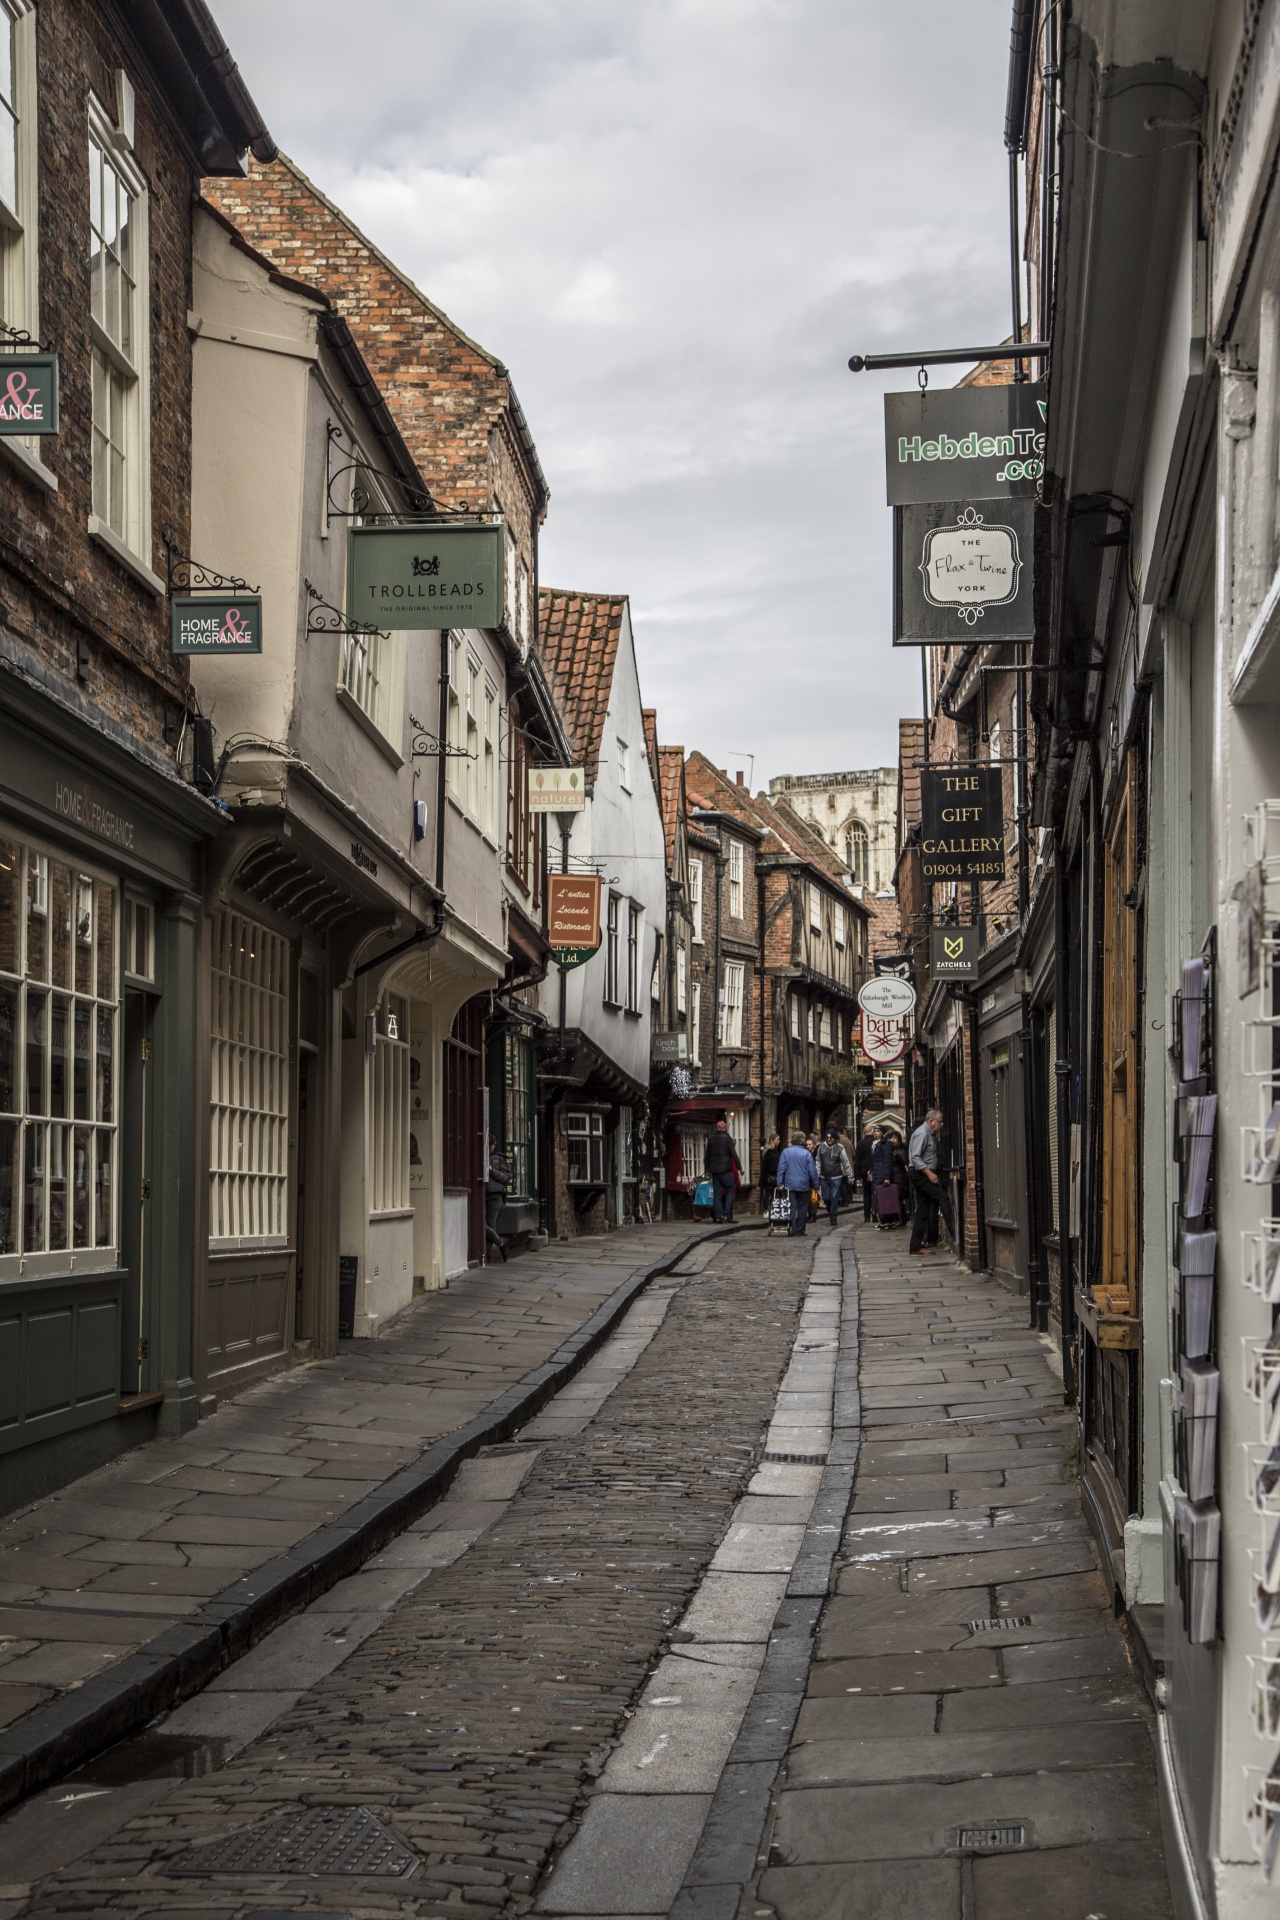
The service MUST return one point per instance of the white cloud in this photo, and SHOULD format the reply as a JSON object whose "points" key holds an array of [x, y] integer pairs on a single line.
{"points": [[674, 220]]}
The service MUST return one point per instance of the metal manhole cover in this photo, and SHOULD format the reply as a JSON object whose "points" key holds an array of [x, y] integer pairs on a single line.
{"points": [[798, 1459], [1000, 1626], [989, 1839], [315, 1840]]}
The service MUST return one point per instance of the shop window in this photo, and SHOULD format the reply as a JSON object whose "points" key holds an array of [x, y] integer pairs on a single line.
{"points": [[389, 1108], [695, 1025], [585, 1133], [249, 1082], [735, 879], [739, 1124], [626, 1146], [693, 1148], [18, 205], [635, 940], [139, 939], [612, 953], [59, 1041], [735, 974], [695, 898], [517, 1113], [118, 327]]}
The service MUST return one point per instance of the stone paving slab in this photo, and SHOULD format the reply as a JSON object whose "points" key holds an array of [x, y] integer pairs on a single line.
{"points": [[279, 1494]]}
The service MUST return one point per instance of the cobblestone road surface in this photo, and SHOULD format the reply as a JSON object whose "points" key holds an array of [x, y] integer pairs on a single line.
{"points": [[470, 1685]]}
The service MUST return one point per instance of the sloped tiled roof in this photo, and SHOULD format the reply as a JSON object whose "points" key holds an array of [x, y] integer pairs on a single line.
{"points": [[672, 795], [809, 846], [709, 786], [578, 636]]}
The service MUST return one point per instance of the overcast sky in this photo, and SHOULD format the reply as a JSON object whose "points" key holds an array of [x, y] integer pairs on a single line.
{"points": [[674, 220]]}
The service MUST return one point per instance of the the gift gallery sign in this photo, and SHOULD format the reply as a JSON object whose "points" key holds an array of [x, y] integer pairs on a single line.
{"points": [[215, 623], [962, 823]]}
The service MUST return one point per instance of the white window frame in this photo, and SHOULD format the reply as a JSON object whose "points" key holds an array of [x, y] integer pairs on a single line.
{"points": [[371, 674], [635, 955], [471, 720], [810, 1025], [824, 1028], [19, 223], [523, 608], [732, 996], [794, 999], [489, 780], [389, 1109], [511, 596], [133, 375], [682, 980], [586, 1128], [655, 973], [612, 951], [693, 1154], [695, 1024], [738, 1121], [89, 990], [455, 733], [735, 879], [837, 922], [624, 765], [249, 1088], [138, 959], [695, 899], [815, 906]]}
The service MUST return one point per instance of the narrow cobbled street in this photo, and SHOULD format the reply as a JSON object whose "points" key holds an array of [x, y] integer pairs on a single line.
{"points": [[636, 1661]]}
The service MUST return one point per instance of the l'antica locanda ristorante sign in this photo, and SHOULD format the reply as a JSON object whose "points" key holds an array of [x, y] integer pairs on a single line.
{"points": [[964, 443], [425, 576]]}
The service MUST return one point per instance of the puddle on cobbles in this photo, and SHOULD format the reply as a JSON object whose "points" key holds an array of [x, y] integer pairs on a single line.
{"points": [[152, 1756]]}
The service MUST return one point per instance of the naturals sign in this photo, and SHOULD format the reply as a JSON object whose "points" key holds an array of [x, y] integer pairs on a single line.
{"points": [[962, 823], [425, 576], [215, 623], [964, 443], [28, 393], [960, 570]]}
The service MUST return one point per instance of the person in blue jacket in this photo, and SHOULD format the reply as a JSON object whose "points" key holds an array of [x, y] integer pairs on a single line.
{"points": [[798, 1174]]}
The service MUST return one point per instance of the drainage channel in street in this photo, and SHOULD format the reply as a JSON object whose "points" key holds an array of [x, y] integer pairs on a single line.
{"points": [[545, 1657]]}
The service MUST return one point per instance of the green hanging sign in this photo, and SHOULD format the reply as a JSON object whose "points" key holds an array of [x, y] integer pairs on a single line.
{"points": [[215, 623], [28, 393], [425, 576]]}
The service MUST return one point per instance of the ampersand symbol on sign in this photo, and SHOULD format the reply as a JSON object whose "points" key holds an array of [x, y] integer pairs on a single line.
{"points": [[235, 628]]}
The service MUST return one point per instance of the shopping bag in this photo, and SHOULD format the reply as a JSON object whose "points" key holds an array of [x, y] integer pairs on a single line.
{"points": [[702, 1194], [888, 1202], [780, 1208]]}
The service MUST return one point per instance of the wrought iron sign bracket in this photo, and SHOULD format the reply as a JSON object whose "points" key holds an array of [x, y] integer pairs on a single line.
{"points": [[18, 340], [185, 575], [323, 617], [427, 745], [361, 501]]}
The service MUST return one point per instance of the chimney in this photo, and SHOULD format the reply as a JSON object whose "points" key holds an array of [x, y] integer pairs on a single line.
{"points": [[738, 776]]}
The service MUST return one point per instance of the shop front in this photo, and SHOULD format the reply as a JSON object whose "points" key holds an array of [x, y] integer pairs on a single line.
{"points": [[690, 1125], [99, 911]]}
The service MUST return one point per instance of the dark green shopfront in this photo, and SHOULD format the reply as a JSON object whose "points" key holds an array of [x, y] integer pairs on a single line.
{"points": [[100, 852]]}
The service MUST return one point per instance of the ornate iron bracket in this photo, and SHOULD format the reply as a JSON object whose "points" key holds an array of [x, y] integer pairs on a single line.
{"points": [[429, 512], [323, 617], [185, 575], [427, 745], [18, 340]]}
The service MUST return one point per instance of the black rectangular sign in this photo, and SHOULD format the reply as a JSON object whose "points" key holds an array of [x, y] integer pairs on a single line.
{"points": [[28, 393], [962, 823], [953, 953], [964, 443], [963, 572]]}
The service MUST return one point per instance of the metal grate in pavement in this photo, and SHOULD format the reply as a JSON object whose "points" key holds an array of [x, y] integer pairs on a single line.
{"points": [[989, 1839], [1002, 1625], [314, 1840], [798, 1459]]}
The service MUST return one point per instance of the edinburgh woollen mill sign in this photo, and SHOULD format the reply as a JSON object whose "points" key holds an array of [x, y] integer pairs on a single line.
{"points": [[425, 575], [962, 822]]}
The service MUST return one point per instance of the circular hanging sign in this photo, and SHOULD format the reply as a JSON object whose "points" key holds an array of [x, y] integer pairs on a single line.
{"points": [[883, 1041], [886, 997]]}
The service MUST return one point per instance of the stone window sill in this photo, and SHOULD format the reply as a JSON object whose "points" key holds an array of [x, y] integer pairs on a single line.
{"points": [[128, 559], [29, 465]]}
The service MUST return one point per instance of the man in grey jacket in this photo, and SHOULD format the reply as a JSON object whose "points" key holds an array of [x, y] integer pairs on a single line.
{"points": [[926, 1184], [833, 1170]]}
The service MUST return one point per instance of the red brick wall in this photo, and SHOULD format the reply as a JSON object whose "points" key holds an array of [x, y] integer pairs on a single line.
{"points": [[62, 594]]}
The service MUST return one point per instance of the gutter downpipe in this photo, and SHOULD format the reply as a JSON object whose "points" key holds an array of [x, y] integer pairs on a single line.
{"points": [[1062, 1077]]}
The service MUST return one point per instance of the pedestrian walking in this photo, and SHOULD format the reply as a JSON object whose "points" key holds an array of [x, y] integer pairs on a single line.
{"points": [[884, 1180], [862, 1169], [833, 1170], [769, 1170], [496, 1182], [720, 1164], [926, 1185], [797, 1173]]}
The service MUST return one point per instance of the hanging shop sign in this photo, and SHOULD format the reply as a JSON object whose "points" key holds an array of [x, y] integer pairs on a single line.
{"points": [[953, 953], [964, 443], [668, 1047], [962, 823], [557, 789], [573, 917], [887, 997], [903, 965], [28, 393], [425, 576], [883, 1041], [215, 623], [963, 570]]}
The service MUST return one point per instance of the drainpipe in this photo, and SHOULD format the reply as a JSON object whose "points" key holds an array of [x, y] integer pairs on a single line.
{"points": [[1062, 1078], [979, 1185], [444, 763], [719, 988]]}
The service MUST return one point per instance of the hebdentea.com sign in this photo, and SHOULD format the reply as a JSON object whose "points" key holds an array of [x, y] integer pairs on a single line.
{"points": [[964, 443]]}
